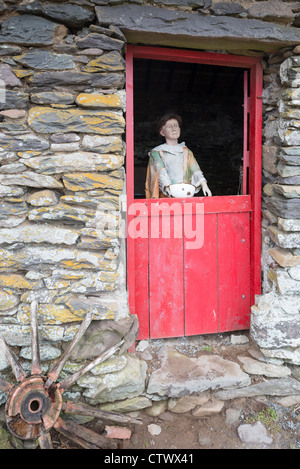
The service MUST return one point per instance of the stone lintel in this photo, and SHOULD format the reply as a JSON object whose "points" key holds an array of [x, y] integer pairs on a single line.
{"points": [[165, 27]]}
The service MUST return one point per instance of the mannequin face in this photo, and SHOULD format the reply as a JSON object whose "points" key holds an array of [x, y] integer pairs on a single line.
{"points": [[171, 131]]}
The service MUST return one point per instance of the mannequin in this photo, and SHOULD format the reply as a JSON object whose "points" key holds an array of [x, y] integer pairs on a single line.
{"points": [[172, 162]]}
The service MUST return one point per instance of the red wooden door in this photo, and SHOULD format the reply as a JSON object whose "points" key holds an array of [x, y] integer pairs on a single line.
{"points": [[186, 286], [193, 264]]}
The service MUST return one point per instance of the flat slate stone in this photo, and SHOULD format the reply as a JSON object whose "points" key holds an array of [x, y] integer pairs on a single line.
{"points": [[8, 77], [102, 144], [293, 160], [277, 11], [29, 30], [52, 97], [181, 375], [185, 3], [75, 161], [90, 181], [256, 367], [93, 100], [46, 60], [124, 384], [73, 16], [14, 208], [7, 300], [7, 49], [283, 207], [31, 258], [288, 240], [61, 212], [50, 120], [42, 198], [70, 78], [226, 8], [110, 62], [30, 179], [272, 387], [275, 321], [38, 233], [100, 41], [153, 25], [15, 99], [23, 143]]}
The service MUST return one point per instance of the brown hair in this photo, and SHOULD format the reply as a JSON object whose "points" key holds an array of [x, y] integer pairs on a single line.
{"points": [[163, 120]]}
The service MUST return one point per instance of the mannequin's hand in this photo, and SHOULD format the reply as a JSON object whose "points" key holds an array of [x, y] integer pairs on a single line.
{"points": [[205, 189], [168, 191]]}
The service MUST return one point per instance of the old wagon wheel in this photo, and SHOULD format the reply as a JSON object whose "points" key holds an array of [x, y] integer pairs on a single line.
{"points": [[35, 403]]}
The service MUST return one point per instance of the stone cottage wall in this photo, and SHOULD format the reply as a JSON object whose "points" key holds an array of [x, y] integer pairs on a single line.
{"points": [[275, 321], [62, 152], [61, 185]]}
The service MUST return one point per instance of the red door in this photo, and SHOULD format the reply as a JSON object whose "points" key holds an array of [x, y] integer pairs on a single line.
{"points": [[193, 264]]}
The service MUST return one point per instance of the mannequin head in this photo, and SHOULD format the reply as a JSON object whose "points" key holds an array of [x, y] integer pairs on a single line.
{"points": [[169, 127]]}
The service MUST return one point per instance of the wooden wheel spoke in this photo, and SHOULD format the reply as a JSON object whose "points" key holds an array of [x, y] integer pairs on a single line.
{"points": [[56, 370], [83, 409], [82, 436], [45, 441], [35, 348], [13, 361], [5, 386], [70, 380]]}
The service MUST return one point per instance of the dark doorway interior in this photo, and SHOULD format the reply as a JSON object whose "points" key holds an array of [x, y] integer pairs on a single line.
{"points": [[210, 101]]}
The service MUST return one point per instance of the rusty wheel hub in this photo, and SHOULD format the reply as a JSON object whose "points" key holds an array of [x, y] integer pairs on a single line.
{"points": [[31, 409]]}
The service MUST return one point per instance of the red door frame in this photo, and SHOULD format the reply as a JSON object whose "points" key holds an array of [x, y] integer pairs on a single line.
{"points": [[253, 64]]}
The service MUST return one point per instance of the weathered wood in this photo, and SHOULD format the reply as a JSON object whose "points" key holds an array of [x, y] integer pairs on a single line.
{"points": [[82, 409], [68, 382], [13, 361], [35, 348], [45, 441], [131, 335], [56, 370], [68, 431], [5, 386]]}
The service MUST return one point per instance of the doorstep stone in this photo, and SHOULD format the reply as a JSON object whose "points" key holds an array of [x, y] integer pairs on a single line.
{"points": [[181, 375]]}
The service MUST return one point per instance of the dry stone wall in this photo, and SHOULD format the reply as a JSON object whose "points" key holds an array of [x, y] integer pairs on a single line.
{"points": [[62, 179], [62, 121], [275, 321]]}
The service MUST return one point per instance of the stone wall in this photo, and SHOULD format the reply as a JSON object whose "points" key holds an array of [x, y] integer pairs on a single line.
{"points": [[275, 321], [61, 183], [62, 154]]}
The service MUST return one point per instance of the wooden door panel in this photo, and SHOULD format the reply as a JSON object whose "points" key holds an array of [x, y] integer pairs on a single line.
{"points": [[141, 284], [201, 282], [166, 283], [234, 271]]}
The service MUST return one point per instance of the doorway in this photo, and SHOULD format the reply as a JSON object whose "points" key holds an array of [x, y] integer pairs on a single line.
{"points": [[209, 98], [175, 290]]}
